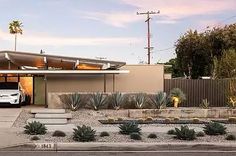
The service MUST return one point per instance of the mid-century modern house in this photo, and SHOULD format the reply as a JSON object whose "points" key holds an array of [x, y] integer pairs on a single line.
{"points": [[41, 74]]}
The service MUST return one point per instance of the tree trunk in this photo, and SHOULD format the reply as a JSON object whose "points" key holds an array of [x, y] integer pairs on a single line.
{"points": [[15, 41]]}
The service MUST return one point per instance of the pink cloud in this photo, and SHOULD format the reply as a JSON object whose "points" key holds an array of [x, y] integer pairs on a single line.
{"points": [[171, 10]]}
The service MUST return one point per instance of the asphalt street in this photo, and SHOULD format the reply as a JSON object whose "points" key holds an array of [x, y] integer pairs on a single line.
{"points": [[117, 153]]}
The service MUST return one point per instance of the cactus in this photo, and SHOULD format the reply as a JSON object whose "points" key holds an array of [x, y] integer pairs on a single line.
{"points": [[184, 133]]}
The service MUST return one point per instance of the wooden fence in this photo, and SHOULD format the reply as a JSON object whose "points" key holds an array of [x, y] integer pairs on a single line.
{"points": [[197, 90]]}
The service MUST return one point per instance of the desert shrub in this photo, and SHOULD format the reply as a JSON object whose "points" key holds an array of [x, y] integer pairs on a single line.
{"points": [[177, 93], [35, 138], [184, 133], [148, 119], [232, 119], [230, 137], [159, 100], [104, 133], [84, 134], [117, 100], [176, 119], [204, 104], [140, 100], [35, 128], [167, 120], [171, 132], [97, 100], [195, 120], [135, 136], [58, 133], [110, 120], [119, 119], [214, 128], [73, 101], [129, 127], [200, 134], [152, 136]]}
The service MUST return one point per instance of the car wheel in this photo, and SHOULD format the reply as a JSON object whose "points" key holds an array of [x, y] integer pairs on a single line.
{"points": [[19, 104]]}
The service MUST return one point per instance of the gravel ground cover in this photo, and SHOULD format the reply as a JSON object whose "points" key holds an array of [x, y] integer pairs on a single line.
{"points": [[116, 137], [91, 117]]}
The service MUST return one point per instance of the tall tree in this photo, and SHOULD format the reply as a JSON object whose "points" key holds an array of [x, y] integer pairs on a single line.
{"points": [[173, 68], [15, 27]]}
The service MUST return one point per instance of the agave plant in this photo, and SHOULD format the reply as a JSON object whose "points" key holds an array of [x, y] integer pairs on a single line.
{"points": [[184, 133], [35, 128], [205, 104], [84, 134], [129, 127], [74, 101], [214, 128], [117, 99], [140, 100], [177, 96], [97, 100], [159, 100]]}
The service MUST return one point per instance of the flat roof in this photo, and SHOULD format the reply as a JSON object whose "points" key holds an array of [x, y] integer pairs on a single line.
{"points": [[50, 72], [26, 60]]}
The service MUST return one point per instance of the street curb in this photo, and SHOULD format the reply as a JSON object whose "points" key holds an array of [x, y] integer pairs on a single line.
{"points": [[94, 146]]}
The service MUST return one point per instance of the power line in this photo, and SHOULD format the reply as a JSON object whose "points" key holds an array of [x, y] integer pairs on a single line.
{"points": [[149, 48]]}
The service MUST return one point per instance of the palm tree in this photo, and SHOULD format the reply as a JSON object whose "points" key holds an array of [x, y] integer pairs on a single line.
{"points": [[15, 27]]}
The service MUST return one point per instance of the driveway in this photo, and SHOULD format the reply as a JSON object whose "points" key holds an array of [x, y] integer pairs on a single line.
{"points": [[8, 116]]}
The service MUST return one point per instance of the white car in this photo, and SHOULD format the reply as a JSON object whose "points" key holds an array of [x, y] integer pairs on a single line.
{"points": [[11, 93]]}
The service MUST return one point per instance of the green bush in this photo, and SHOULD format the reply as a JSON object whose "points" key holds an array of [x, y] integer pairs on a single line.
{"points": [[129, 127], [84, 134], [58, 133], [152, 136], [35, 128], [214, 128], [176, 92], [34, 138], [184, 133], [171, 132], [97, 100], [117, 100], [230, 137], [140, 100], [159, 100], [200, 134], [135, 136], [103, 134]]}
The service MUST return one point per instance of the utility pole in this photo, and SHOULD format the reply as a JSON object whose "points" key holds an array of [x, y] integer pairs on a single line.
{"points": [[149, 48]]}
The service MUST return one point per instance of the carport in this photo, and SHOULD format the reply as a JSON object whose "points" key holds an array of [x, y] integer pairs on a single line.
{"points": [[18, 65]]}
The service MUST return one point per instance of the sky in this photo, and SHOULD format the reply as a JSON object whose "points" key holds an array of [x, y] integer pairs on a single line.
{"points": [[108, 29]]}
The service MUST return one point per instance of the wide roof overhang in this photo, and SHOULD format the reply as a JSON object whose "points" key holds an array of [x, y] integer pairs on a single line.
{"points": [[11, 60], [59, 72]]}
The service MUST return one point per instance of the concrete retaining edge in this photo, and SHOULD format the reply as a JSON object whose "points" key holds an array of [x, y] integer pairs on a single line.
{"points": [[94, 146]]}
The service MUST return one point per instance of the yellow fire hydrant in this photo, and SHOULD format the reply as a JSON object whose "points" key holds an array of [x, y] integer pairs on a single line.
{"points": [[175, 100]]}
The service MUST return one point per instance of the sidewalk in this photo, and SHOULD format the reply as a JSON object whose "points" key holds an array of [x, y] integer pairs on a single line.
{"points": [[9, 138]]}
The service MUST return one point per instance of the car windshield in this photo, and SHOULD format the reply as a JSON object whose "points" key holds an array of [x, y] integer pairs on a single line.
{"points": [[9, 85]]}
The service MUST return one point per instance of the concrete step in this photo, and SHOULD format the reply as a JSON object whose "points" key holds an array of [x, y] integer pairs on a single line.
{"points": [[64, 128], [49, 121], [53, 116], [47, 111]]}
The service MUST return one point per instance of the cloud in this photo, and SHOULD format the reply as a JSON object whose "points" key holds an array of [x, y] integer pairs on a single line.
{"points": [[171, 10], [47, 40], [118, 19]]}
